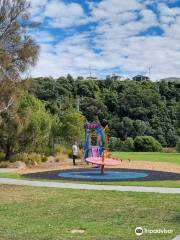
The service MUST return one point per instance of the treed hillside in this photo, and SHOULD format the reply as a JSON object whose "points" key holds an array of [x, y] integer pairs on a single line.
{"points": [[133, 108], [171, 79]]}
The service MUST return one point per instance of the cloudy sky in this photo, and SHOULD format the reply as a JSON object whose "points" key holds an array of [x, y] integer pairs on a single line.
{"points": [[127, 37]]}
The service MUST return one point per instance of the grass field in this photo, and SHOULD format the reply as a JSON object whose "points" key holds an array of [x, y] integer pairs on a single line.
{"points": [[149, 156], [50, 214]]}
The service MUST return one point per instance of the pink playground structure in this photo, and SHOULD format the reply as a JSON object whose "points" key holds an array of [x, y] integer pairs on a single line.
{"points": [[98, 154]]}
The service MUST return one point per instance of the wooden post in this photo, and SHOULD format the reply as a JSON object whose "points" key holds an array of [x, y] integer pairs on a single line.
{"points": [[102, 169], [102, 166]]}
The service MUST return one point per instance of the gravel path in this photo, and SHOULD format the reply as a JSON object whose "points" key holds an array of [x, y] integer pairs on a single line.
{"points": [[177, 238], [10, 181]]}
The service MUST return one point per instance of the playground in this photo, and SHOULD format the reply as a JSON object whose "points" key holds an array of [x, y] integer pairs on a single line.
{"points": [[110, 175], [100, 165]]}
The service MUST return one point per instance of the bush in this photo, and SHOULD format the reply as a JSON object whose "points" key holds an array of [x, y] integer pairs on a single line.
{"points": [[115, 144], [147, 144], [23, 157], [178, 146], [26, 128], [29, 159], [4, 164], [48, 151], [62, 149], [2, 156], [128, 145], [169, 150]]}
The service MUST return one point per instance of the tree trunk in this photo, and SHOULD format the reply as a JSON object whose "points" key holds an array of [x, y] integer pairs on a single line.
{"points": [[8, 152]]}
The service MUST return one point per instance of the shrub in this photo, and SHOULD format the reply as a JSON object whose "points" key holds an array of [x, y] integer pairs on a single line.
{"points": [[62, 149], [2, 156], [23, 157], [169, 150], [4, 164], [178, 146], [147, 144], [128, 145], [48, 151], [34, 158], [26, 128], [29, 159], [115, 144]]}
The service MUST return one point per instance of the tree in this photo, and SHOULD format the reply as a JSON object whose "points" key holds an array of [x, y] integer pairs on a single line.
{"points": [[7, 95], [93, 109], [140, 127], [132, 108], [17, 49], [25, 127], [126, 128], [72, 128], [178, 146]]}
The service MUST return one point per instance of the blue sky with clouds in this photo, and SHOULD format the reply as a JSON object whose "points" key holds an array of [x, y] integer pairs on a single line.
{"points": [[127, 37]]}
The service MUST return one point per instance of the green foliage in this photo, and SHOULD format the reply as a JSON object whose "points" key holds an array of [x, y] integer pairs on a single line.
{"points": [[29, 159], [17, 49], [115, 144], [147, 144], [37, 131], [2, 156], [25, 127], [132, 108], [178, 146], [72, 126], [60, 149], [128, 145]]}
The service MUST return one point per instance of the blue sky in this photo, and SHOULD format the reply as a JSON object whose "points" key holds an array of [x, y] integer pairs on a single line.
{"points": [[127, 37]]}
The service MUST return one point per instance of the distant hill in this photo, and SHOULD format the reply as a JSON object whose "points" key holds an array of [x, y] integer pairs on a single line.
{"points": [[171, 79]]}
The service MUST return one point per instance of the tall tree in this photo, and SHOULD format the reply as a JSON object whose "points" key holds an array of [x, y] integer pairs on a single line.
{"points": [[25, 127], [17, 49]]}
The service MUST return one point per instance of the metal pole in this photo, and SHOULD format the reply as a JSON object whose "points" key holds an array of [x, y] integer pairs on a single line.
{"points": [[78, 104]]}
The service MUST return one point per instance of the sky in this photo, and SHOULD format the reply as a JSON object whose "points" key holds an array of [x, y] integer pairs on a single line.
{"points": [[125, 37]]}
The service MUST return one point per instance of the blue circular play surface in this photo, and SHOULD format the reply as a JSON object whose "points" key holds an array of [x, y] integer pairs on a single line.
{"points": [[95, 175]]}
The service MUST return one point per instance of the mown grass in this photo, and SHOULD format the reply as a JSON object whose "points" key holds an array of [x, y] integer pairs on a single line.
{"points": [[149, 156], [10, 175], [51, 214]]}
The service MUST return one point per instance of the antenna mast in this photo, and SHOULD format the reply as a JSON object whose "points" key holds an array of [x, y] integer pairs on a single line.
{"points": [[90, 71]]}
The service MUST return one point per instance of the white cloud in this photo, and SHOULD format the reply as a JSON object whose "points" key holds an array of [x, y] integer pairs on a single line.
{"points": [[37, 8], [64, 15], [42, 37], [116, 41]]}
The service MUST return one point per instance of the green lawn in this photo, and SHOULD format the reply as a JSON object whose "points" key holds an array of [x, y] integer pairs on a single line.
{"points": [[149, 156], [50, 214], [10, 175]]}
